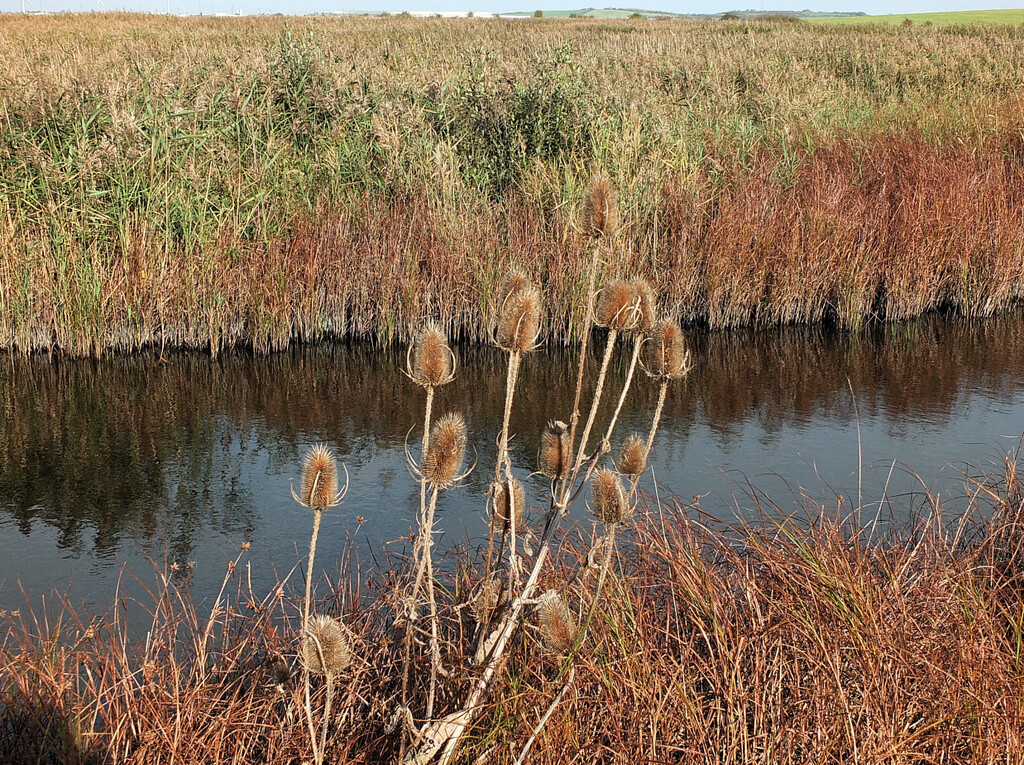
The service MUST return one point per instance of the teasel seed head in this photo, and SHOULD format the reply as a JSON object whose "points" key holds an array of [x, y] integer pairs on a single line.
{"points": [[326, 646], [432, 362], [558, 627], [519, 319], [667, 355], [633, 459], [554, 450], [319, 484], [609, 498], [648, 305], [600, 207], [446, 451], [500, 495], [491, 598], [618, 306]]}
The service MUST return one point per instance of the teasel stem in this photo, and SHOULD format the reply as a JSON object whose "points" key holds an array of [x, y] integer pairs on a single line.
{"points": [[584, 341], [327, 714], [317, 514], [417, 551], [317, 752], [435, 646], [657, 414], [606, 443], [514, 359], [581, 454]]}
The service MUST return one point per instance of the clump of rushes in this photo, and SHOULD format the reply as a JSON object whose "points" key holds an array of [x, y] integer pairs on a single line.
{"points": [[447, 451], [558, 628], [555, 451], [600, 207], [326, 650], [633, 457], [608, 497]]}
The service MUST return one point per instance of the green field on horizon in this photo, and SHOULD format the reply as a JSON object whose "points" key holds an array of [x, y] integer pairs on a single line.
{"points": [[966, 18]]}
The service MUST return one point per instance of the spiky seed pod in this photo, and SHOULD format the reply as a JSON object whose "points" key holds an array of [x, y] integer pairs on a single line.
{"points": [[618, 307], [511, 283], [648, 305], [554, 450], [319, 479], [447, 449], [519, 320], [326, 646], [609, 498], [500, 497], [633, 459], [432, 361], [667, 356], [600, 207], [492, 597], [557, 626]]}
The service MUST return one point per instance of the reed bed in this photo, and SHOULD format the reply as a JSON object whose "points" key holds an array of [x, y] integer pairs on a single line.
{"points": [[792, 641], [209, 183]]}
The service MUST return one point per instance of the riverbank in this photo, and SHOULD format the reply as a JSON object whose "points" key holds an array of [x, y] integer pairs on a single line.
{"points": [[207, 183], [799, 640]]}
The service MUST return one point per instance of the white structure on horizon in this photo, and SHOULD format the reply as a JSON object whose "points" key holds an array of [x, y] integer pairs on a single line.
{"points": [[452, 14]]}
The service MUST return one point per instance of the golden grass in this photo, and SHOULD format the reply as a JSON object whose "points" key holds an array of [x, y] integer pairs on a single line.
{"points": [[210, 182]]}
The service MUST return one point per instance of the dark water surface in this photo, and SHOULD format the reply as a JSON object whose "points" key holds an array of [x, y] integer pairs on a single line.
{"points": [[182, 458]]}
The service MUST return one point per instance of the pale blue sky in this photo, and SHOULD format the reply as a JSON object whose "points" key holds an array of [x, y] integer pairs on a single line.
{"points": [[678, 6]]}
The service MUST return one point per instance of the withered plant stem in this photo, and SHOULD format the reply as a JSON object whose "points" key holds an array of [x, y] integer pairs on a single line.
{"points": [[609, 349], [588, 327], [309, 566], [417, 556], [514, 359]]}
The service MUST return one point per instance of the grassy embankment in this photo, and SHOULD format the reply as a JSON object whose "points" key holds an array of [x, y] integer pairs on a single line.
{"points": [[793, 645], [207, 182], [960, 18]]}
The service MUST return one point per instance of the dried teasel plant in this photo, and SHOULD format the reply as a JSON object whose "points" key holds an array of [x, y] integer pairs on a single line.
{"points": [[326, 646], [608, 498], [430, 361], [555, 451], [491, 597], [648, 315], [319, 490], [558, 628], [618, 307], [632, 460], [508, 502], [600, 207], [318, 486], [667, 355], [442, 463], [326, 649], [519, 319]]}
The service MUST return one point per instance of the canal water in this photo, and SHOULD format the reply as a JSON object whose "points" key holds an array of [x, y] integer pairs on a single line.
{"points": [[109, 468]]}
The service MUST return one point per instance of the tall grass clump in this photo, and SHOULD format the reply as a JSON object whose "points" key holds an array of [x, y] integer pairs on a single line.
{"points": [[208, 183]]}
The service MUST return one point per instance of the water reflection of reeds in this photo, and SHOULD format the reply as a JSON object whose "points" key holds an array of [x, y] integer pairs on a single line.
{"points": [[157, 448]]}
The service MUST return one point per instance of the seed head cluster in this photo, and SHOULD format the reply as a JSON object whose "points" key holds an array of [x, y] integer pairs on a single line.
{"points": [[667, 356], [432, 361], [508, 497], [558, 628], [519, 315], [319, 479], [491, 598], [554, 450], [609, 498], [326, 646], [600, 207], [446, 450], [633, 459], [619, 306]]}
